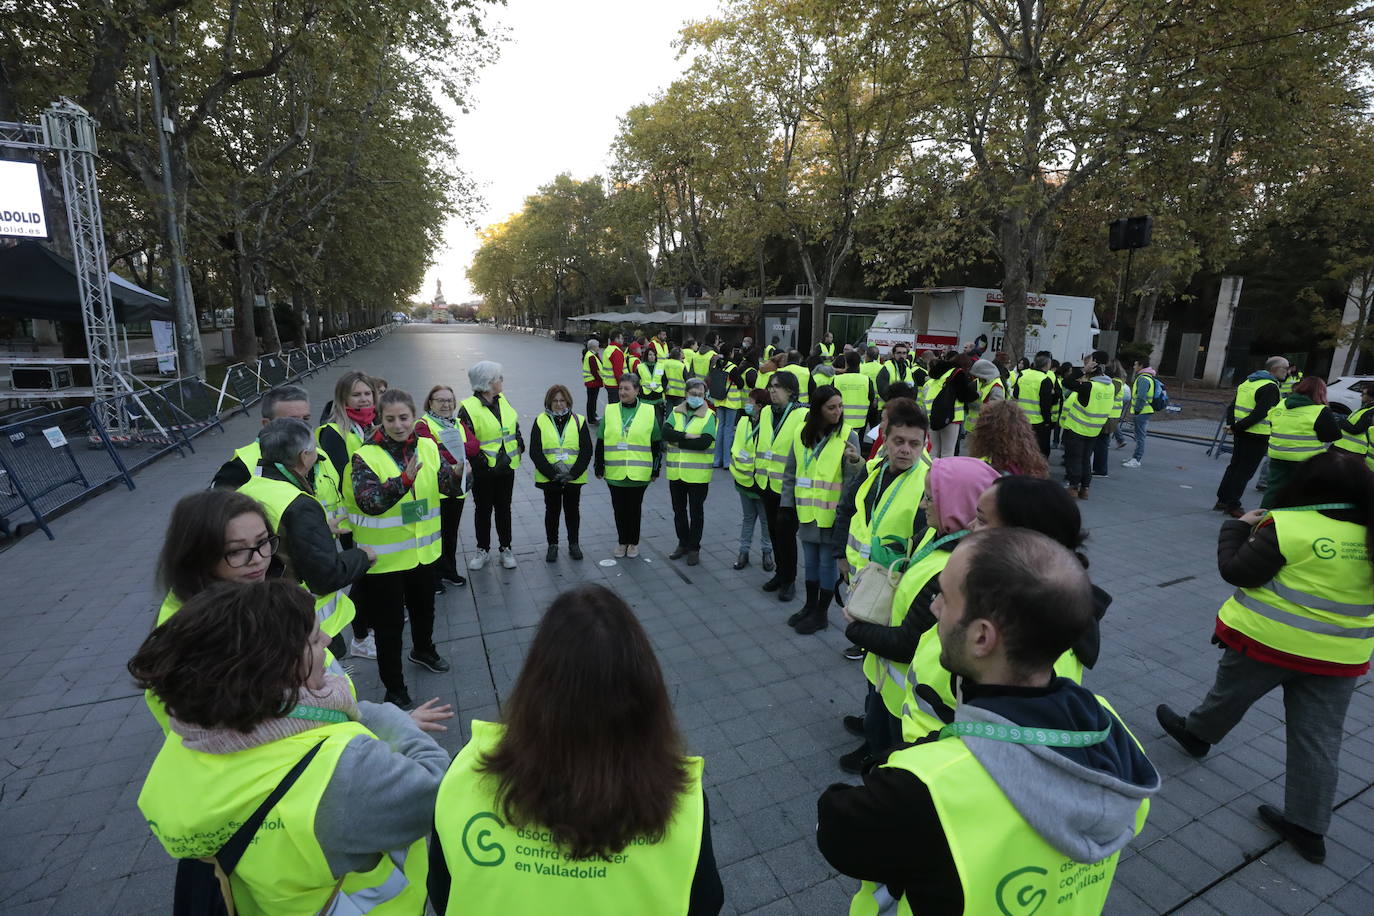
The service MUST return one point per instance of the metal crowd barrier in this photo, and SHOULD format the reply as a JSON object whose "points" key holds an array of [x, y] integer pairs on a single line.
{"points": [[1194, 421], [53, 459]]}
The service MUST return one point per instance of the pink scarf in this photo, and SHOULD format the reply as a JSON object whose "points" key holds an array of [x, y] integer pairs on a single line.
{"points": [[955, 485], [224, 740]]}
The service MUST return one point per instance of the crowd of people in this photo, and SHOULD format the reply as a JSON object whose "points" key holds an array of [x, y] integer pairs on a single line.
{"points": [[914, 494]]}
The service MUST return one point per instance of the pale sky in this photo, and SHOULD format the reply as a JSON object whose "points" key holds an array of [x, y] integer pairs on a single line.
{"points": [[552, 102]]}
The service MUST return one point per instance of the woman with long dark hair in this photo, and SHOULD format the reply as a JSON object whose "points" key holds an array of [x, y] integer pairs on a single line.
{"points": [[585, 779], [241, 671], [824, 457], [1300, 620]]}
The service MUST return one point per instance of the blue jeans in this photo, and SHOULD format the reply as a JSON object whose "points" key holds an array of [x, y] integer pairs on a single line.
{"points": [[751, 508], [725, 435], [820, 562], [882, 730], [1141, 422]]}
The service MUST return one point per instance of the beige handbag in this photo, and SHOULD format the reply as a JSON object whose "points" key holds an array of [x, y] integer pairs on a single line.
{"points": [[870, 594]]}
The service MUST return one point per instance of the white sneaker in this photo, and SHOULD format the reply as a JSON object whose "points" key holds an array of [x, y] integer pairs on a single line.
{"points": [[507, 558], [363, 648], [1130, 463], [478, 559]]}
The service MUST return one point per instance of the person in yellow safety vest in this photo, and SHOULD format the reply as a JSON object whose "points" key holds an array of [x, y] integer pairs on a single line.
{"points": [[827, 346], [968, 803], [1088, 404], [495, 424], [949, 503], [726, 379], [898, 369], [286, 492], [946, 391], [213, 536], [824, 457], [674, 379], [1064, 373], [629, 452], [1248, 423], [742, 454], [928, 698], [1301, 427], [439, 421], [224, 664], [591, 377], [392, 494], [1357, 430], [1036, 393], [779, 427], [613, 360], [772, 348], [791, 364], [699, 360], [582, 798], [653, 379], [689, 438], [244, 464], [1300, 619], [352, 418], [821, 374], [990, 388], [857, 391], [1290, 381], [660, 344], [561, 450]]}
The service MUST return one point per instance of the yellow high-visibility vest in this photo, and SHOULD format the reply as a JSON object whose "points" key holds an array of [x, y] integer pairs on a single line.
{"points": [[406, 535]]}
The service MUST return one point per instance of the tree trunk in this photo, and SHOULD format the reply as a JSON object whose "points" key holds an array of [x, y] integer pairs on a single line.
{"points": [[1357, 333], [245, 329], [1145, 314], [1011, 238]]}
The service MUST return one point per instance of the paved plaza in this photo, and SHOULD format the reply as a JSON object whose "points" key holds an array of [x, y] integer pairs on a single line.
{"points": [[761, 704]]}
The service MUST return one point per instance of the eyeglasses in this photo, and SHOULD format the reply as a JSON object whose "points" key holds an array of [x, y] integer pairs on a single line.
{"points": [[443, 402], [242, 556]]}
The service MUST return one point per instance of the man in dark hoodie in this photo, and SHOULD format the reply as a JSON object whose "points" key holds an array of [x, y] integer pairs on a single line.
{"points": [[1033, 790], [1249, 425]]}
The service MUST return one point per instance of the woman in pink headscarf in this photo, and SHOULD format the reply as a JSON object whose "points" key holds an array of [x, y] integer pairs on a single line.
{"points": [[953, 486]]}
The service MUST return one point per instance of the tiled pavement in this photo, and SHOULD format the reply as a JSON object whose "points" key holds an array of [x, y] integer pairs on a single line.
{"points": [[760, 703]]}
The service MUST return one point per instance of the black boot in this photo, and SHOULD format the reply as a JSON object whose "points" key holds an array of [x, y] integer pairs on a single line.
{"points": [[812, 589], [772, 584], [742, 561], [819, 618], [678, 553], [787, 590]]}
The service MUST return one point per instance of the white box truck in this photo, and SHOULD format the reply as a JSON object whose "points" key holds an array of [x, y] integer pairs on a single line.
{"points": [[951, 316]]}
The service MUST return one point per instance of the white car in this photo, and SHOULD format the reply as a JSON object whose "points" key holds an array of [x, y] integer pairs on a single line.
{"points": [[1345, 392]]}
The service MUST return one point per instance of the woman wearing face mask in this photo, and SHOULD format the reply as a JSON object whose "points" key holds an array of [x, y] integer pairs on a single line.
{"points": [[629, 452], [652, 379], [561, 449], [823, 459], [351, 418], [689, 436], [440, 423], [241, 669], [742, 452], [392, 493]]}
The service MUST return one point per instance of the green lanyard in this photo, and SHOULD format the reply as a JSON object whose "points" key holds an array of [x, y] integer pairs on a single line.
{"points": [[901, 479], [1320, 507], [563, 433], [316, 714], [809, 456], [936, 545], [305, 486], [1016, 734], [625, 424], [777, 424]]}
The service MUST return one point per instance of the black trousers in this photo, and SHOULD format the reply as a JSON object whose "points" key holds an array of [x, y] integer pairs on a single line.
{"points": [[382, 600], [593, 394], [492, 492], [566, 499], [782, 528], [689, 511], [1078, 459], [450, 514], [1042, 438], [1248, 450], [627, 504], [1101, 450]]}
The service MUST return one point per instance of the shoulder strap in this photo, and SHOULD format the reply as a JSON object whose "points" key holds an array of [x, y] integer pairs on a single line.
{"points": [[230, 853]]}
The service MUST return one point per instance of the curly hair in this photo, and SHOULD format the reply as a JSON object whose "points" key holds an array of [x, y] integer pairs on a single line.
{"points": [[1004, 439], [232, 657]]}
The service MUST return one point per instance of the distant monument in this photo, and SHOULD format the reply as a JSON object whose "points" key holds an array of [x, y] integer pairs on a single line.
{"points": [[439, 302]]}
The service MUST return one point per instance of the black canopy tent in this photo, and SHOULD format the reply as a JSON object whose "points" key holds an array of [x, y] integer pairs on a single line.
{"points": [[36, 282]]}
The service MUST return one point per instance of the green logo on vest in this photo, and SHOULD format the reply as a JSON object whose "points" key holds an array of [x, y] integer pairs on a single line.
{"points": [[481, 838], [1019, 893], [1324, 548]]}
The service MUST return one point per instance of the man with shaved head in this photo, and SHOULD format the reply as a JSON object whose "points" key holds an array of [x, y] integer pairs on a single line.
{"points": [[1034, 788]]}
